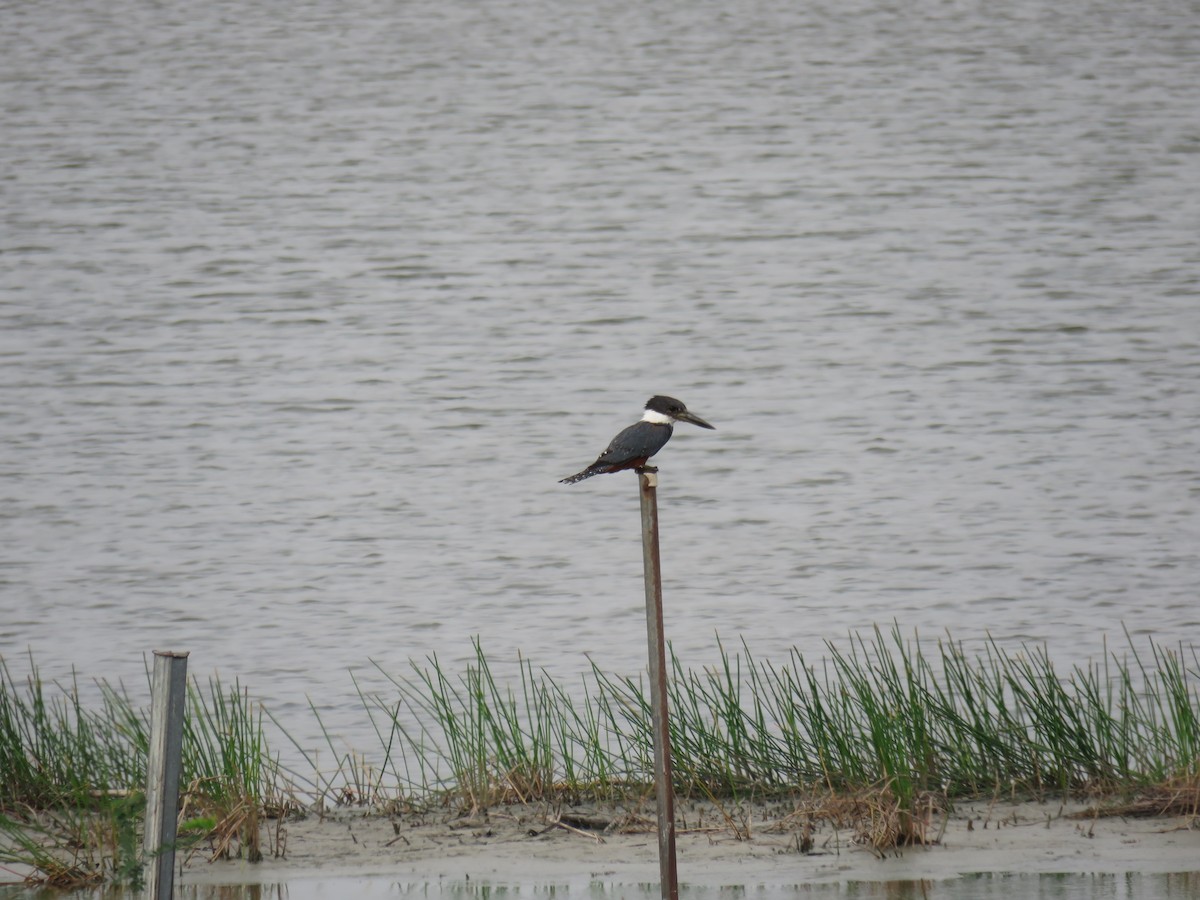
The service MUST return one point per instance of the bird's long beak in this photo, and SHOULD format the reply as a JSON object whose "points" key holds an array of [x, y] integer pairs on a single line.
{"points": [[695, 420]]}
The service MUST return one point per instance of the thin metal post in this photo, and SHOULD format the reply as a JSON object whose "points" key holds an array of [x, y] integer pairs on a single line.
{"points": [[663, 782], [168, 694]]}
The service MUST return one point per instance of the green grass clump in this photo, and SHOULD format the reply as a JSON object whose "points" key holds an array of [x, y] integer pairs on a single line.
{"points": [[884, 713], [72, 778]]}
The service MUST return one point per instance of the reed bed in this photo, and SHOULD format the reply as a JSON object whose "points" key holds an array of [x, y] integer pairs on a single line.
{"points": [[884, 729], [884, 712]]}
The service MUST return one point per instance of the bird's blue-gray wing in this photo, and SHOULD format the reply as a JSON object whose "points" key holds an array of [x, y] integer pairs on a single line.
{"points": [[639, 441]]}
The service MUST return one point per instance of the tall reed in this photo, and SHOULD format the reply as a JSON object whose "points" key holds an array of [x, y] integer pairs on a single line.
{"points": [[915, 717]]}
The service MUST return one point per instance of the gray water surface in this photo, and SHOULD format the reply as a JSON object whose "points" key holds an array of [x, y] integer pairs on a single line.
{"points": [[305, 307]]}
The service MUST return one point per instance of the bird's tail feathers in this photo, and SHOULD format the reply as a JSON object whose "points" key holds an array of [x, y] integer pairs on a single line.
{"points": [[580, 476]]}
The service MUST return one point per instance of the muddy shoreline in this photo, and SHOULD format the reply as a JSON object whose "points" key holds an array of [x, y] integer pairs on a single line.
{"points": [[534, 844]]}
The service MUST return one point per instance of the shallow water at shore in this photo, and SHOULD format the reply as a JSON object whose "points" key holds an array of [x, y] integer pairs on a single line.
{"points": [[1182, 886], [988, 886]]}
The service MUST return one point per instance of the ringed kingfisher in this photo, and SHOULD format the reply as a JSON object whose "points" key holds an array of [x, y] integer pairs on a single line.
{"points": [[634, 446]]}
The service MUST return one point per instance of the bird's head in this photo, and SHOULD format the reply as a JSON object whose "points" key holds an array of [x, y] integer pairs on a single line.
{"points": [[673, 410]]}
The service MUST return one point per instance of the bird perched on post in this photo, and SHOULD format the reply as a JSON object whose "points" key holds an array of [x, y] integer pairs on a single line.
{"points": [[634, 446]]}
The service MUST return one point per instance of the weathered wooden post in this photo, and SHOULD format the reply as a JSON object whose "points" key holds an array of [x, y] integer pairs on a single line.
{"points": [[168, 696], [663, 781]]}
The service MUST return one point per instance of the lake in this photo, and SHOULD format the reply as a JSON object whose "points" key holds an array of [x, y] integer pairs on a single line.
{"points": [[305, 307]]}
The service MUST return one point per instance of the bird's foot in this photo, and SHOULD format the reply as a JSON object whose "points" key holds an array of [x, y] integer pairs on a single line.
{"points": [[641, 469]]}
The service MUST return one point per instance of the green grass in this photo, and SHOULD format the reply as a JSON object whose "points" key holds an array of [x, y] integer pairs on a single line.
{"points": [[72, 778], [878, 712], [884, 717]]}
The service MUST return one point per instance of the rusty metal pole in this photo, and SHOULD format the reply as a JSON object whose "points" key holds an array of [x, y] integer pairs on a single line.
{"points": [[663, 782]]}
